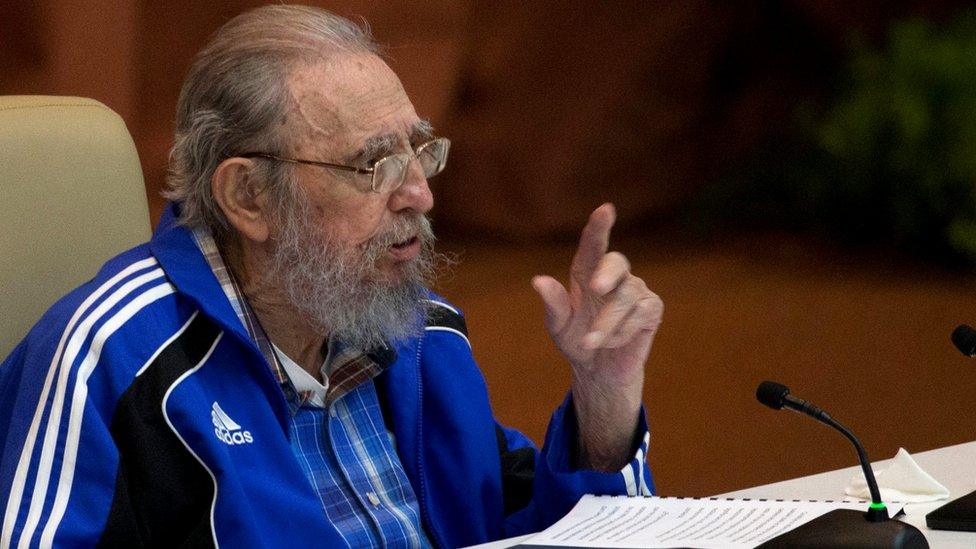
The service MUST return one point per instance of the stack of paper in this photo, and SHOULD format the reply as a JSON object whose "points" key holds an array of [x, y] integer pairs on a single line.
{"points": [[680, 522]]}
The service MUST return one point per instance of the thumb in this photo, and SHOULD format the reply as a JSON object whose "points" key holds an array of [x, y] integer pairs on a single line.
{"points": [[556, 300]]}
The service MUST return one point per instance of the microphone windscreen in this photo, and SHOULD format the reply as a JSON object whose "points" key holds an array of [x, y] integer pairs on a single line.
{"points": [[772, 394], [964, 338]]}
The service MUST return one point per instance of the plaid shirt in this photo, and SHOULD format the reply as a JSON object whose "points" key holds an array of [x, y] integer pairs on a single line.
{"points": [[340, 439]]}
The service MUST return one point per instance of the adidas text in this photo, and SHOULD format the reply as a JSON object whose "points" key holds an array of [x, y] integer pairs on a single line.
{"points": [[237, 437]]}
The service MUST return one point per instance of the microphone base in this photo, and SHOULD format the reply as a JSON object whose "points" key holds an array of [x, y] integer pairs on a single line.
{"points": [[959, 514], [845, 528]]}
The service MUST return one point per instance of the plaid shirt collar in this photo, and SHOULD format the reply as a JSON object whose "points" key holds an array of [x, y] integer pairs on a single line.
{"points": [[344, 368]]}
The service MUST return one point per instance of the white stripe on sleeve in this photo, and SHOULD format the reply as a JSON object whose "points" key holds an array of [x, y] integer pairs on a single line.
{"points": [[80, 396], [15, 497]]}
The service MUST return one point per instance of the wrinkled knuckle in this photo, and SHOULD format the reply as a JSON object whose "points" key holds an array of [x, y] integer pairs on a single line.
{"points": [[637, 285], [622, 306], [652, 304], [630, 290], [644, 313], [658, 310]]}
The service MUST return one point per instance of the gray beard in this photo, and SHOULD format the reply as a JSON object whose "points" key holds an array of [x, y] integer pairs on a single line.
{"points": [[340, 291]]}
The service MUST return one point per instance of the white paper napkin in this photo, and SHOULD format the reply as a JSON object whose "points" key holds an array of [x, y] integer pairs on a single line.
{"points": [[903, 480]]}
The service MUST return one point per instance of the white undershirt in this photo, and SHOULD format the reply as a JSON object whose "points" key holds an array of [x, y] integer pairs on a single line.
{"points": [[303, 381]]}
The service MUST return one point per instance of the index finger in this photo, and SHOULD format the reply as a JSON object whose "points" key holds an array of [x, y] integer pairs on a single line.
{"points": [[593, 243]]}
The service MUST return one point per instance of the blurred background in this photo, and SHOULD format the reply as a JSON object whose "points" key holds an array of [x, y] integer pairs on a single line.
{"points": [[794, 178]]}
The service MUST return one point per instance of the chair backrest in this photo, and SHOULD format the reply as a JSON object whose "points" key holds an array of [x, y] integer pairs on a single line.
{"points": [[71, 196]]}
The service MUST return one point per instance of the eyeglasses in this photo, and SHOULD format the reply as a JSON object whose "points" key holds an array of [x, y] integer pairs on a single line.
{"points": [[389, 172]]}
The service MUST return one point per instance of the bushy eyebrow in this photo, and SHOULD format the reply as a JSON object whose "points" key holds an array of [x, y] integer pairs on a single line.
{"points": [[379, 146], [421, 131], [376, 147]]}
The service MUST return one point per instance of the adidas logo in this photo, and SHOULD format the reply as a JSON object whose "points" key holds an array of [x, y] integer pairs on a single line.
{"points": [[227, 429]]}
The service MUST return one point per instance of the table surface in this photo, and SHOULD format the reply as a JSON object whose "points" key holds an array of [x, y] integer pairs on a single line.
{"points": [[953, 466]]}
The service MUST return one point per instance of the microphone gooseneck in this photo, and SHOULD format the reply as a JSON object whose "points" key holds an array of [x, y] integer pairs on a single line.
{"points": [[777, 396]]}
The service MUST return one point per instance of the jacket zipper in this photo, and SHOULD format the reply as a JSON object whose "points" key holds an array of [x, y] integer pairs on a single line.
{"points": [[424, 509]]}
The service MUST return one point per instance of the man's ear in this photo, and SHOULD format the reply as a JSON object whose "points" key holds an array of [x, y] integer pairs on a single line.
{"points": [[236, 195]]}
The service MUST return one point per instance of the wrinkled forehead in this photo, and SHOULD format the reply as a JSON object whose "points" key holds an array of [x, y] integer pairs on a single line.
{"points": [[338, 105]]}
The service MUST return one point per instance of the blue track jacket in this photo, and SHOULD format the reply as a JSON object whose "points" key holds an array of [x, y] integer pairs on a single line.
{"points": [[139, 412]]}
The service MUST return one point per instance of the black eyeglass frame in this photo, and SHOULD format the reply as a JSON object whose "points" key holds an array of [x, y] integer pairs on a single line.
{"points": [[404, 157]]}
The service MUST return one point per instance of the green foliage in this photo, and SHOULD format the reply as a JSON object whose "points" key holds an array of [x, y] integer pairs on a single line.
{"points": [[893, 160]]}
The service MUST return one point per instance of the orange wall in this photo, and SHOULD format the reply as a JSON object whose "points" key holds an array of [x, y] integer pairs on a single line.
{"points": [[553, 107]]}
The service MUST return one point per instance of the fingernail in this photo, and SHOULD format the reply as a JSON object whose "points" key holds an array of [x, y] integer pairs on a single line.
{"points": [[593, 339]]}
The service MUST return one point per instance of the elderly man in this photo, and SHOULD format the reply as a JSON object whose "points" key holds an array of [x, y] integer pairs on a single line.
{"points": [[271, 369]]}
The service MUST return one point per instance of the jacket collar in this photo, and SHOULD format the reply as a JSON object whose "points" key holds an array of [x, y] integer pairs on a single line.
{"points": [[173, 246]]}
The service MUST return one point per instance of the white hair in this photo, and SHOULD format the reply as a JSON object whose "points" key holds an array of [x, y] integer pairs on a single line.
{"points": [[235, 96]]}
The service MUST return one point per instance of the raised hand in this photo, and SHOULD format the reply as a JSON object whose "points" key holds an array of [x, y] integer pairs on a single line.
{"points": [[604, 325]]}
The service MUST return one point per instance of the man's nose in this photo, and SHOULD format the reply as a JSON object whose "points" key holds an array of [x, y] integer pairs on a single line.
{"points": [[414, 194]]}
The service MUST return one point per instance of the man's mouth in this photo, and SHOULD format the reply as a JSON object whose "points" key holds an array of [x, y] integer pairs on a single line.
{"points": [[405, 243], [406, 249]]}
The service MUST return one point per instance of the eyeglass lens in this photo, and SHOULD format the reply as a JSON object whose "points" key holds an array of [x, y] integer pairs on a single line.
{"points": [[391, 171]]}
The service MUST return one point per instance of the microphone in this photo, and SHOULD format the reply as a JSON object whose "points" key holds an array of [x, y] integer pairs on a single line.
{"points": [[842, 527], [960, 513], [964, 338], [777, 396]]}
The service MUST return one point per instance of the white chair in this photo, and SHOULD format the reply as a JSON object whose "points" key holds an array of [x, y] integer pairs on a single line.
{"points": [[71, 196]]}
